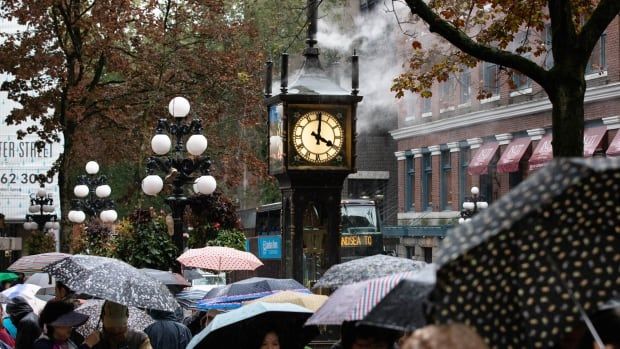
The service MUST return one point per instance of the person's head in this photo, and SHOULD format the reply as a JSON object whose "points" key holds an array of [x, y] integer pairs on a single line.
{"points": [[445, 337], [62, 291], [114, 317], [17, 308], [365, 337], [271, 340], [59, 319]]}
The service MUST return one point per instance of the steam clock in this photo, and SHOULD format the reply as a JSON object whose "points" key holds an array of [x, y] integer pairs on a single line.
{"points": [[311, 152]]}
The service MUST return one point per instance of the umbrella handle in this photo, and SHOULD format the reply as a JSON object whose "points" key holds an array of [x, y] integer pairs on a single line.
{"points": [[569, 289]]}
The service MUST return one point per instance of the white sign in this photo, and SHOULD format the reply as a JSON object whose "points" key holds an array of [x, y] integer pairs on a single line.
{"points": [[21, 163]]}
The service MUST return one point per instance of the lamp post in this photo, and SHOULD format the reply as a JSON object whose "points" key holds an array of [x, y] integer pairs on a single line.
{"points": [[183, 166], [92, 194], [41, 212], [472, 205]]}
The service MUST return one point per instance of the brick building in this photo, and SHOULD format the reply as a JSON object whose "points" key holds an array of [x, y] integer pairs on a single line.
{"points": [[453, 141]]}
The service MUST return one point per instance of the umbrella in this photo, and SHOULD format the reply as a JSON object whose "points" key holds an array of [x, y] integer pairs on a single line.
{"points": [[166, 277], [308, 301], [525, 270], [44, 280], [219, 259], [35, 263], [27, 292], [192, 274], [246, 326], [364, 269], [404, 308], [113, 280], [137, 320], [353, 302], [188, 299], [7, 276]]}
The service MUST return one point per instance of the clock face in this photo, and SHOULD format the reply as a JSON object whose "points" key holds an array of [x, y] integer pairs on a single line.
{"points": [[318, 136]]}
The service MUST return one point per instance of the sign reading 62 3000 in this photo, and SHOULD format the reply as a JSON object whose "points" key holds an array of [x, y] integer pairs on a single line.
{"points": [[21, 178]]}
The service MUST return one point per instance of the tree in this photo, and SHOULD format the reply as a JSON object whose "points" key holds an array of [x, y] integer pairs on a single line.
{"points": [[39, 242], [229, 238], [209, 215], [483, 30]]}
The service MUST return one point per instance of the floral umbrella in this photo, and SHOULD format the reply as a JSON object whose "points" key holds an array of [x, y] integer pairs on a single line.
{"points": [[138, 319]]}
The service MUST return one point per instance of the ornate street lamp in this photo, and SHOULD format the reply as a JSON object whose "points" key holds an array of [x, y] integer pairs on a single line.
{"points": [[472, 205], [92, 194], [181, 168], [41, 212]]}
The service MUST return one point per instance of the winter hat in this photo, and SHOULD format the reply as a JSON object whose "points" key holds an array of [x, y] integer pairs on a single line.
{"points": [[114, 314]]}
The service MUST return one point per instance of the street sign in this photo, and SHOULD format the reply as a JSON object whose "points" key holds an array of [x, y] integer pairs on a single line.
{"points": [[270, 247]]}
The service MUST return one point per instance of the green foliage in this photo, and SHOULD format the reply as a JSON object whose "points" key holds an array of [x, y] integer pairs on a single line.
{"points": [[229, 238], [39, 242], [94, 239], [209, 214], [143, 241]]}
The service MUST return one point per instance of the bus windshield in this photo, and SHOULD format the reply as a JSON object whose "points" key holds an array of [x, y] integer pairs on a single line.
{"points": [[359, 219]]}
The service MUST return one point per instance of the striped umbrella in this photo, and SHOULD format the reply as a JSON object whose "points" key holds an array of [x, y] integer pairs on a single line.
{"points": [[354, 301], [35, 263], [219, 259]]}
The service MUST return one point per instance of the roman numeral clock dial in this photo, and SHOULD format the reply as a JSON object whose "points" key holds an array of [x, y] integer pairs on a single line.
{"points": [[318, 137]]}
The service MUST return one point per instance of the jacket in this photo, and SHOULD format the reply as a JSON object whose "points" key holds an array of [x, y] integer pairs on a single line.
{"points": [[166, 332], [134, 340], [26, 322], [46, 343]]}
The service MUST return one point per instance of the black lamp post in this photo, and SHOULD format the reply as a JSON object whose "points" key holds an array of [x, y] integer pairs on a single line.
{"points": [[41, 212], [92, 194], [185, 165], [472, 205]]}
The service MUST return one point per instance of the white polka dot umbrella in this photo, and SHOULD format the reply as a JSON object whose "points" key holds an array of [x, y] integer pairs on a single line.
{"points": [[219, 259], [529, 268]]}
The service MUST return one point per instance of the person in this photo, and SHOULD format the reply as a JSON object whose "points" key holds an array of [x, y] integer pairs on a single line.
{"points": [[364, 337], [5, 337], [116, 334], [62, 292], [166, 332], [26, 322], [271, 340], [451, 336], [58, 319]]}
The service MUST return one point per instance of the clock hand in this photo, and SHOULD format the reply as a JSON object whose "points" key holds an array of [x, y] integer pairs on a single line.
{"points": [[318, 131]]}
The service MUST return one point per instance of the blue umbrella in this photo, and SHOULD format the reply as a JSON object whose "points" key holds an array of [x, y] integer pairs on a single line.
{"points": [[233, 302], [246, 326], [253, 286]]}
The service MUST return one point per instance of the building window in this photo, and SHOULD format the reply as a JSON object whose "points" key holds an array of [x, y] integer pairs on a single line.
{"points": [[520, 80], [465, 86], [410, 184], [549, 46], [597, 62], [446, 182], [490, 73], [427, 182], [464, 161], [410, 251], [426, 105], [489, 182], [428, 254], [448, 90]]}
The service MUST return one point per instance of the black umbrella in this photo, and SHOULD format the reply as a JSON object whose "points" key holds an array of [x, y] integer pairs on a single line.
{"points": [[113, 280], [166, 277], [526, 270], [405, 307], [251, 286], [366, 268]]}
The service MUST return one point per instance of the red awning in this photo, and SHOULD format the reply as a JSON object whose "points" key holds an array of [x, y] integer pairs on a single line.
{"points": [[509, 162], [479, 164], [542, 154], [614, 146], [592, 138]]}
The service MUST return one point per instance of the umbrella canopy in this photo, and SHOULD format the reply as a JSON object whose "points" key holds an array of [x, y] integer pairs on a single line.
{"points": [[404, 308], [353, 302], [113, 280], [366, 268], [137, 320], [246, 326], [8, 276], [166, 277], [192, 274], [219, 259], [518, 271], [36, 262], [44, 280], [27, 292], [308, 301]]}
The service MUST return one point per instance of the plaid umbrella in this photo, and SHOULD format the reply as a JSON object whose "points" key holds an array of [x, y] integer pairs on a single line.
{"points": [[113, 280], [524, 271], [353, 302], [137, 320], [35, 263], [366, 268], [219, 259], [246, 326]]}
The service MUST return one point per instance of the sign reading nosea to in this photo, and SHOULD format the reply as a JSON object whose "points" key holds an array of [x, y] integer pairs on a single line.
{"points": [[270, 247]]}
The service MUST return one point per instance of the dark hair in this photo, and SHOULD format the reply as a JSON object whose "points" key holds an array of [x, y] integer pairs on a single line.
{"points": [[52, 311], [62, 286]]}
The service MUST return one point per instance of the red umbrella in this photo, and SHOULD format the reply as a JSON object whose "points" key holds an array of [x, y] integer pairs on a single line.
{"points": [[219, 259], [35, 263]]}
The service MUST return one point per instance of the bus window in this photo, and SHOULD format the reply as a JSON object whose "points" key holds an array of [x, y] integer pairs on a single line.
{"points": [[357, 219]]}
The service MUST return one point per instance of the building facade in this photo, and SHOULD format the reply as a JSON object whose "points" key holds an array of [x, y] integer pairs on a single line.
{"points": [[453, 141]]}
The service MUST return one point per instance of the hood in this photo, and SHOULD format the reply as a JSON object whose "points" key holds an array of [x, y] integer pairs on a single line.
{"points": [[162, 315], [17, 309]]}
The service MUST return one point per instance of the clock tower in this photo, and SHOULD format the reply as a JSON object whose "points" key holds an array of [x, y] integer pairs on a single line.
{"points": [[311, 152]]}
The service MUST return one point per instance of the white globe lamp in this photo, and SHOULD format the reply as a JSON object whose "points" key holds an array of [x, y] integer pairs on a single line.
{"points": [[206, 185], [103, 191], [92, 167], [152, 185], [41, 193], [81, 190], [475, 190], [196, 144], [178, 107], [161, 144]]}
